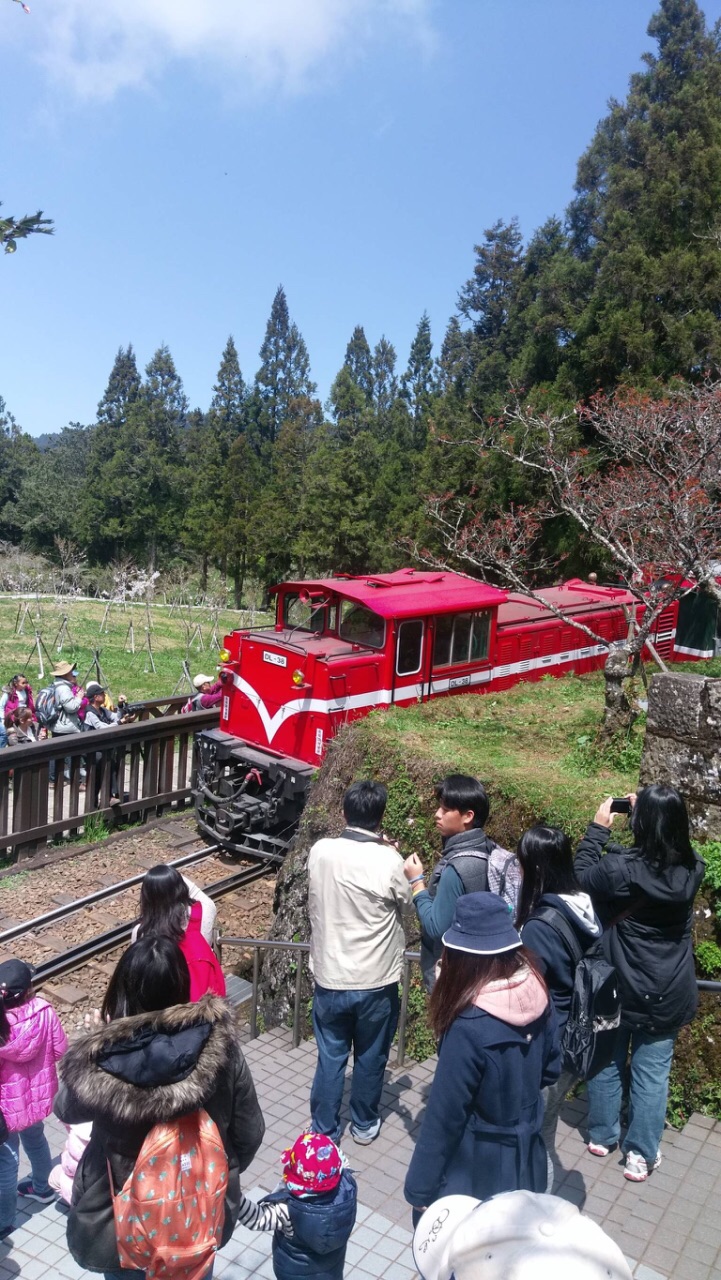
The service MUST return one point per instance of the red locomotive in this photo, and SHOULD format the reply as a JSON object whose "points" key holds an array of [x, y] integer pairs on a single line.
{"points": [[345, 645]]}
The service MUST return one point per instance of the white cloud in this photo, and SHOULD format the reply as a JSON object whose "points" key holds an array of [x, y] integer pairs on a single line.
{"points": [[98, 47]]}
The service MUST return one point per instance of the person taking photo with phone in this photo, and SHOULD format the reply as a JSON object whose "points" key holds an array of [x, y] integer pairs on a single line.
{"points": [[644, 897]]}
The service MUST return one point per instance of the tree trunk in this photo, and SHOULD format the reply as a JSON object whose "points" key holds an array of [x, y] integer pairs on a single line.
{"points": [[618, 714], [238, 580], [204, 573]]}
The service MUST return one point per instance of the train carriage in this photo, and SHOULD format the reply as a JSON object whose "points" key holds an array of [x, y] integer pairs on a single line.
{"points": [[343, 646]]}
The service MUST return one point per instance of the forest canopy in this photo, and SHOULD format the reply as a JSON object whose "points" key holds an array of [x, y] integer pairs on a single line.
{"points": [[623, 291]]}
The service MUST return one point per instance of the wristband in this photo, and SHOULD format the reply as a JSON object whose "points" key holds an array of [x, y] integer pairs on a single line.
{"points": [[416, 879], [418, 889]]}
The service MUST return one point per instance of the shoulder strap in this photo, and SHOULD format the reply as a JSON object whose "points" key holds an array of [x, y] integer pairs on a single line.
{"points": [[504, 869], [557, 921]]}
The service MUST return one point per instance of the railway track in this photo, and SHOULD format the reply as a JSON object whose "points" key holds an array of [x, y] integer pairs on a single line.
{"points": [[78, 955]]}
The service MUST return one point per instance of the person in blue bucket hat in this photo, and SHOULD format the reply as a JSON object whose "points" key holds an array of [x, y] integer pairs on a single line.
{"points": [[498, 1047]]}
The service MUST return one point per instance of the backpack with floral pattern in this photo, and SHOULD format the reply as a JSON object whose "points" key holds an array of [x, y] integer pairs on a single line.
{"points": [[169, 1213]]}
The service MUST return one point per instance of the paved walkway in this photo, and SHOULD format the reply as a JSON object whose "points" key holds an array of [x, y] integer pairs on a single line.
{"points": [[669, 1226]]}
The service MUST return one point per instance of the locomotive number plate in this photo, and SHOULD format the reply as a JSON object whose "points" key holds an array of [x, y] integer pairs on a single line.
{"points": [[277, 659], [459, 682]]}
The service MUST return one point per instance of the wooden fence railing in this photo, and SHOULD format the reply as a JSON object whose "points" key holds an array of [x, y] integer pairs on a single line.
{"points": [[50, 788]]}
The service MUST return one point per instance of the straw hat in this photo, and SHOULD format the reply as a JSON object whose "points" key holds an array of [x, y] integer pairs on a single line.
{"points": [[63, 669]]}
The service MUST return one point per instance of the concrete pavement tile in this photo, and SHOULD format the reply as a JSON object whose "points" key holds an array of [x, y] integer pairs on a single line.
{"points": [[401, 1234], [690, 1269], [397, 1271], [390, 1249], [365, 1237], [644, 1272], [31, 1268], [376, 1222], [652, 1213], [663, 1259], [700, 1251], [373, 1264]]}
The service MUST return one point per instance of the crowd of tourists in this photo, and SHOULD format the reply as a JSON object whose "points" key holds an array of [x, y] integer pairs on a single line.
{"points": [[161, 1109], [67, 707]]}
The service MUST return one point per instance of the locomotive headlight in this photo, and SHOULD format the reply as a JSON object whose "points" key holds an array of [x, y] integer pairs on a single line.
{"points": [[298, 678], [224, 655]]}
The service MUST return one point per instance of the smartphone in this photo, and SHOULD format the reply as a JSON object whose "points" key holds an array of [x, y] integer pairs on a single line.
{"points": [[620, 804]]}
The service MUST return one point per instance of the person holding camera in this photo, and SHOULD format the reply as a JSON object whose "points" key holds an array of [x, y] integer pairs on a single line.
{"points": [[644, 897]]}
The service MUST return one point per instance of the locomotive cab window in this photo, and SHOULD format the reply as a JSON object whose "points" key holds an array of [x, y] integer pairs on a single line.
{"points": [[306, 615], [461, 638], [359, 625], [409, 648]]}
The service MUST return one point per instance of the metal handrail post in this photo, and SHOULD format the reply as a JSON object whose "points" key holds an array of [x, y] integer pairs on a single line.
{"points": [[254, 999], [296, 1002], [405, 991]]}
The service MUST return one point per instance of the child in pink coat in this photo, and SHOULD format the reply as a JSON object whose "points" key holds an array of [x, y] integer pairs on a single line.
{"points": [[31, 1043]]}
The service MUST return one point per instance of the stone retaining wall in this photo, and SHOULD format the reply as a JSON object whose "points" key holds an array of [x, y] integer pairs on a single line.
{"points": [[683, 745]]}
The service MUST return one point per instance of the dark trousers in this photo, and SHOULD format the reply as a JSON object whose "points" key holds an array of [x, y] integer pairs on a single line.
{"points": [[364, 1021]]}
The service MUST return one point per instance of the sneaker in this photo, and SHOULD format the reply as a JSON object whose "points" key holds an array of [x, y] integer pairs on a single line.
{"points": [[636, 1168], [364, 1137], [6, 1231], [26, 1188], [598, 1149]]}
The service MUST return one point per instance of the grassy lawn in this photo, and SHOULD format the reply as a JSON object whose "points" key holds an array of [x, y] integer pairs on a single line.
{"points": [[173, 637], [535, 745]]}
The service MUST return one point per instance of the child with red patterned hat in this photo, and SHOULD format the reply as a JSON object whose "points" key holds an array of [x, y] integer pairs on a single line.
{"points": [[311, 1212]]}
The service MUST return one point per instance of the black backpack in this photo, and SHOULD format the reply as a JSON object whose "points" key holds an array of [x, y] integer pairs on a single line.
{"points": [[595, 1014]]}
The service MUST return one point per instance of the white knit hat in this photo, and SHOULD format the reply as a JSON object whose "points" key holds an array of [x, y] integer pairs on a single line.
{"points": [[520, 1235]]}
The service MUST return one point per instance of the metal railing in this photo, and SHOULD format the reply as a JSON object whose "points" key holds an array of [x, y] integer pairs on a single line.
{"points": [[49, 789], [302, 948]]}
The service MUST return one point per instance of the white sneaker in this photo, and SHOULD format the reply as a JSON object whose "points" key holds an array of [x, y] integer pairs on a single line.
{"points": [[636, 1168]]}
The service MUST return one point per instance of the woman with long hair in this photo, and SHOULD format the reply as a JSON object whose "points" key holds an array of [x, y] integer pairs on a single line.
{"points": [[557, 922], [155, 1057], [644, 896], [31, 1043], [481, 1133], [167, 910]]}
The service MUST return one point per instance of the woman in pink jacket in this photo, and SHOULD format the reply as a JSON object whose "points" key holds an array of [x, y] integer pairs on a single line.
{"points": [[31, 1043]]}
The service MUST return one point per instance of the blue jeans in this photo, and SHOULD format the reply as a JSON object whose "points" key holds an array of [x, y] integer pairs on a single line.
{"points": [[650, 1066], [35, 1146], [364, 1021]]}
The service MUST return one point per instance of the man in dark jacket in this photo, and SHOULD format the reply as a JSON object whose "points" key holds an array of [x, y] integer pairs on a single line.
{"points": [[135, 1073], [462, 868]]}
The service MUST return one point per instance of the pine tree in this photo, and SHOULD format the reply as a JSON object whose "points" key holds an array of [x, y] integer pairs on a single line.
{"points": [[228, 405], [133, 502], [359, 362], [348, 405], [385, 384], [284, 372], [19, 455], [487, 301], [646, 224], [454, 363], [418, 383], [122, 390]]}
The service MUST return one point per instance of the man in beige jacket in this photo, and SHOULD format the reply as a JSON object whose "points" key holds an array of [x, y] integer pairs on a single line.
{"points": [[356, 898]]}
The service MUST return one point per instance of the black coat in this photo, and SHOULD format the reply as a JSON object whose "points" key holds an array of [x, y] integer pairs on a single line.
{"points": [[651, 946], [163, 1065]]}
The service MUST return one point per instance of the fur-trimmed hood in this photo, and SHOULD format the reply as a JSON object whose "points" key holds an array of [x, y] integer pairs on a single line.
{"points": [[154, 1066]]}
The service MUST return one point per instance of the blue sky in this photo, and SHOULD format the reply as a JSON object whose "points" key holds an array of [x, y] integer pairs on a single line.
{"points": [[196, 154]]}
